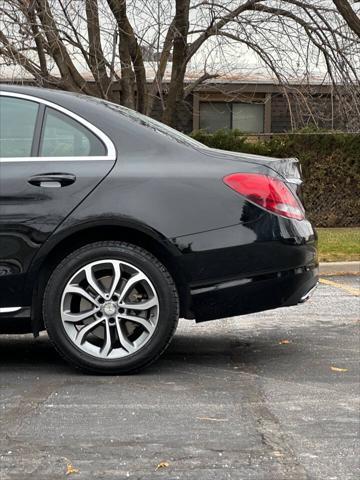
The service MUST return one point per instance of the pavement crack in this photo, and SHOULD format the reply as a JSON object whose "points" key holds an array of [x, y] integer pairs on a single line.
{"points": [[268, 426]]}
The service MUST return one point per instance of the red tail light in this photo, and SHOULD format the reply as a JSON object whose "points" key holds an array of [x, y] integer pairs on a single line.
{"points": [[270, 193]]}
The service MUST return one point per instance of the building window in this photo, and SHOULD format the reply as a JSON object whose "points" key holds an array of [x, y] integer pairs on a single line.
{"points": [[215, 116], [246, 117]]}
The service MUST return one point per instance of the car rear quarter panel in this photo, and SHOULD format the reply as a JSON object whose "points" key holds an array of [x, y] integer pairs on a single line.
{"points": [[178, 192]]}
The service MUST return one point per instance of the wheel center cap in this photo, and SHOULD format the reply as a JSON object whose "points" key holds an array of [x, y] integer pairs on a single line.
{"points": [[109, 308]]}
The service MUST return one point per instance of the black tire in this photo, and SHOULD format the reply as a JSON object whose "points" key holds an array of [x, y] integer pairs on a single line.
{"points": [[151, 267]]}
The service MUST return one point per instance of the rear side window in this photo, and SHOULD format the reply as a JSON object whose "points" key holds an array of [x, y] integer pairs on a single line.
{"points": [[64, 137], [17, 126]]}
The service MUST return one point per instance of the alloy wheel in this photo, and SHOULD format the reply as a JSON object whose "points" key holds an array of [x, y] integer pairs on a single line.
{"points": [[109, 309]]}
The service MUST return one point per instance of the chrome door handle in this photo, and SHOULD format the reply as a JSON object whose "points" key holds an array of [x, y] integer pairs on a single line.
{"points": [[52, 180]]}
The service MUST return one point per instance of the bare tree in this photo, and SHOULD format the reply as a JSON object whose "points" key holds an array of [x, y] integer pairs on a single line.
{"points": [[87, 45]]}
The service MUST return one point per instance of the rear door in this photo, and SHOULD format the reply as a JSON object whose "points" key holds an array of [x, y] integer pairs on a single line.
{"points": [[50, 160]]}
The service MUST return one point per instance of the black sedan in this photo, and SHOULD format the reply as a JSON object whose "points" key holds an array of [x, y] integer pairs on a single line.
{"points": [[112, 225]]}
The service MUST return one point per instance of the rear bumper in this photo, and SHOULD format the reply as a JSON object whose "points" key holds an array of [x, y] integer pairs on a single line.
{"points": [[253, 294], [266, 263]]}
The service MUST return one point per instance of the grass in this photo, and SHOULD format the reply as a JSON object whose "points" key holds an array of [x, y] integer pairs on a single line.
{"points": [[339, 244]]}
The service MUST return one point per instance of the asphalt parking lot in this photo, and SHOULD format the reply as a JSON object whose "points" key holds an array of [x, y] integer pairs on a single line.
{"points": [[268, 396]]}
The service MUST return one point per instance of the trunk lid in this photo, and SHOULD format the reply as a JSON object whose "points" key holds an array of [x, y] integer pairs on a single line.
{"points": [[287, 168]]}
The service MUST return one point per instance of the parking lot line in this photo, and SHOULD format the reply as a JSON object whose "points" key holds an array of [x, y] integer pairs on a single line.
{"points": [[342, 286]]}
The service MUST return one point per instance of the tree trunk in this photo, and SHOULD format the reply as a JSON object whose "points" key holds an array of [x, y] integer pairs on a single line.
{"points": [[349, 15], [71, 78], [127, 96], [29, 11], [176, 88], [140, 74], [97, 60], [130, 56], [164, 58]]}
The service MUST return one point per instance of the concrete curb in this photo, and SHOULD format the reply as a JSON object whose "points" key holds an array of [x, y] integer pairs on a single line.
{"points": [[340, 268]]}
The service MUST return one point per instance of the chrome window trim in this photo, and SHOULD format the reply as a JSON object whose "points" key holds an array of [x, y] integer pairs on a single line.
{"points": [[53, 159], [9, 309], [109, 145]]}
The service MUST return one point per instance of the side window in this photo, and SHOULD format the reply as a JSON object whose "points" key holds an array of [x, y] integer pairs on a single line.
{"points": [[64, 137], [17, 126]]}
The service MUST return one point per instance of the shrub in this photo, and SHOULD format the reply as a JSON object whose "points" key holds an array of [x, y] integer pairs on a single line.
{"points": [[330, 164]]}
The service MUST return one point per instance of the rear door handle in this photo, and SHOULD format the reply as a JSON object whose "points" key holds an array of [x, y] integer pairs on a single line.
{"points": [[52, 180]]}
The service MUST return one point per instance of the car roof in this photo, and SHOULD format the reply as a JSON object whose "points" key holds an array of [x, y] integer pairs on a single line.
{"points": [[70, 100]]}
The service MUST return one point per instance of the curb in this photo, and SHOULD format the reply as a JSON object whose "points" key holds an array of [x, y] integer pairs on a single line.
{"points": [[339, 268]]}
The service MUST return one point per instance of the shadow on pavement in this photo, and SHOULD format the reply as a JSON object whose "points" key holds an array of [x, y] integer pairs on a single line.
{"points": [[187, 349]]}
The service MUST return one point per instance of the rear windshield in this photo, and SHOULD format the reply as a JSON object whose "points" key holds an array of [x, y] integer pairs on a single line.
{"points": [[154, 124]]}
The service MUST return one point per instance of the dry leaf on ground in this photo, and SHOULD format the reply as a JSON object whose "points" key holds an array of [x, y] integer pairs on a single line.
{"points": [[337, 369], [162, 465], [70, 470], [278, 454], [211, 419]]}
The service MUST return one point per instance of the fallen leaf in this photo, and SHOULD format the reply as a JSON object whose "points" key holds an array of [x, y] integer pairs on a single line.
{"points": [[278, 454], [162, 465], [70, 470], [210, 419], [337, 369], [284, 342]]}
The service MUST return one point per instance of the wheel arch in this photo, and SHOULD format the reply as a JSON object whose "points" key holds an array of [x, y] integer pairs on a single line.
{"points": [[55, 250]]}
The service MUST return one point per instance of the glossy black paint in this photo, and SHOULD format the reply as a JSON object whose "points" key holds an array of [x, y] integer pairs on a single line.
{"points": [[227, 255], [29, 215]]}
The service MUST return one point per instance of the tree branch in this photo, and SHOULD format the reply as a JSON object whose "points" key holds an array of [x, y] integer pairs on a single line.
{"points": [[205, 76], [349, 15]]}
